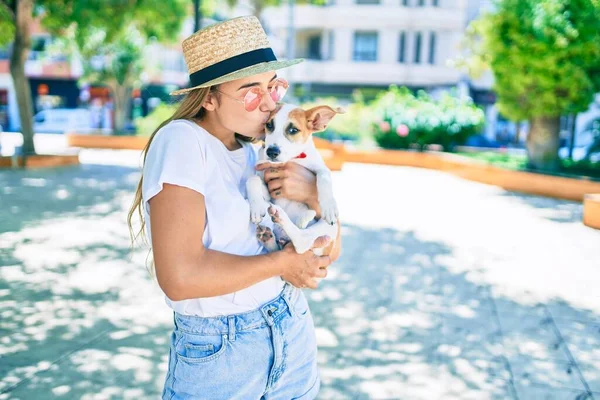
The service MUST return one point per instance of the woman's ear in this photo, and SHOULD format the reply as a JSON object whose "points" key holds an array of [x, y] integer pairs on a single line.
{"points": [[210, 102]]}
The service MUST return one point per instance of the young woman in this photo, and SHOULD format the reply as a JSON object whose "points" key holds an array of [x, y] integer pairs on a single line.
{"points": [[243, 329]]}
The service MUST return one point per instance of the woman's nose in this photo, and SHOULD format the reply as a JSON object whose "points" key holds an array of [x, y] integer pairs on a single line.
{"points": [[267, 104]]}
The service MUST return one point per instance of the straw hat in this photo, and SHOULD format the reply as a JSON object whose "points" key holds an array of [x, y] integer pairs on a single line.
{"points": [[229, 50]]}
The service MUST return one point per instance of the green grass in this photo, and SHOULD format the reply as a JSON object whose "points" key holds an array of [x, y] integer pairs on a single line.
{"points": [[519, 162], [503, 160]]}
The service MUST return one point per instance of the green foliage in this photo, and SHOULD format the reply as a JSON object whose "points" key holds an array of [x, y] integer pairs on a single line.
{"points": [[145, 126], [152, 18], [504, 160], [581, 168], [519, 162], [405, 120], [119, 60], [7, 25], [545, 55]]}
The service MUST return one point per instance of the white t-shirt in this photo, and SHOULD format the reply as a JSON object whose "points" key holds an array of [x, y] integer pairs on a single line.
{"points": [[184, 154]]}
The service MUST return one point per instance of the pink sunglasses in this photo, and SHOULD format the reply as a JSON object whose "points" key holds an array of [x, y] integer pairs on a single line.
{"points": [[254, 97]]}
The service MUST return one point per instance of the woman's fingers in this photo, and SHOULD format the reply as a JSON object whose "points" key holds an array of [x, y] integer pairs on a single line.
{"points": [[275, 188], [321, 273], [324, 261], [273, 173]]}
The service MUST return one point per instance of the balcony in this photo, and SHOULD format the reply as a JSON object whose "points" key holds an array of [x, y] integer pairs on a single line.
{"points": [[370, 17], [367, 73]]}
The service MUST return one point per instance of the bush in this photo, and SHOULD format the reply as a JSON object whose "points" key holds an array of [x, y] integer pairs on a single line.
{"points": [[145, 126], [404, 120]]}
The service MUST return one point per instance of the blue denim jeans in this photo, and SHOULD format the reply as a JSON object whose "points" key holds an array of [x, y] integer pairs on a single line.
{"points": [[266, 354]]}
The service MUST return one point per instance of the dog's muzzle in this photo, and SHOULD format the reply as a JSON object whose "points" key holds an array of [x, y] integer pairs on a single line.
{"points": [[273, 152]]}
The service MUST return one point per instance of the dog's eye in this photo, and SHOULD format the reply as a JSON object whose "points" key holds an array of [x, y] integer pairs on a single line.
{"points": [[270, 125], [292, 130]]}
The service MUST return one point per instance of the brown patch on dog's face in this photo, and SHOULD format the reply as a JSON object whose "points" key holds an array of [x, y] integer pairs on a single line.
{"points": [[296, 129]]}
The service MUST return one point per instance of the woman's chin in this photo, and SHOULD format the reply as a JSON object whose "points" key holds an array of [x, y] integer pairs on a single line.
{"points": [[254, 135]]}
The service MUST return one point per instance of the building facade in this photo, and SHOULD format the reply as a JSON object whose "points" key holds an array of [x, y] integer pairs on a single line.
{"points": [[372, 43]]}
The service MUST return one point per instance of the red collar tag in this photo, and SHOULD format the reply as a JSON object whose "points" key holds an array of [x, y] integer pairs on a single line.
{"points": [[301, 155]]}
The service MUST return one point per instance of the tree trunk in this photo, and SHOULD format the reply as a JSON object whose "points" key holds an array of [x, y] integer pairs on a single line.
{"points": [[542, 143], [122, 96], [21, 46]]}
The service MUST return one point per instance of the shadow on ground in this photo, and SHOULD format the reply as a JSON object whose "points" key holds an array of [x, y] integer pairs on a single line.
{"points": [[80, 320], [28, 196], [395, 322], [554, 210]]}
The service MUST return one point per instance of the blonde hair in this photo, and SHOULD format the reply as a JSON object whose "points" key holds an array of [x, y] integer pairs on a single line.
{"points": [[190, 108]]}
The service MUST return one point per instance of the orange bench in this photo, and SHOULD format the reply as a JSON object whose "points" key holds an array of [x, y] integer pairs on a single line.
{"points": [[591, 210]]}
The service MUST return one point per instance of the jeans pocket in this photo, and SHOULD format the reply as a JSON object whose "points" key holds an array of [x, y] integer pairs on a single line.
{"points": [[194, 349], [301, 308]]}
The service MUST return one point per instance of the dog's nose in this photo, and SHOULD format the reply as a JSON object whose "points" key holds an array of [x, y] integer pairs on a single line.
{"points": [[273, 152]]}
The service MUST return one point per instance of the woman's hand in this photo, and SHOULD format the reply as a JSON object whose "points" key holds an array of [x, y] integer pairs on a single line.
{"points": [[302, 270], [291, 181]]}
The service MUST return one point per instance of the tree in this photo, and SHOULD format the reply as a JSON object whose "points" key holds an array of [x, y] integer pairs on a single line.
{"points": [[118, 64], [545, 57], [17, 25], [83, 18]]}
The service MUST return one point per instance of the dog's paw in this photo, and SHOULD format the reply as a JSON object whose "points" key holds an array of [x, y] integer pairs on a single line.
{"points": [[258, 209], [264, 234], [276, 214], [329, 210]]}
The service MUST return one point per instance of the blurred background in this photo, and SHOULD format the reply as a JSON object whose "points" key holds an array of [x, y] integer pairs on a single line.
{"points": [[467, 169]]}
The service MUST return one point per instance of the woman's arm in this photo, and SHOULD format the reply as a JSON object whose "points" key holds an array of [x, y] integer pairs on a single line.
{"points": [[185, 269]]}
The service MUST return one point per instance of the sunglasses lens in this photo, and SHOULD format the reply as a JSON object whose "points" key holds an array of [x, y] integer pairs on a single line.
{"points": [[252, 99], [278, 90]]}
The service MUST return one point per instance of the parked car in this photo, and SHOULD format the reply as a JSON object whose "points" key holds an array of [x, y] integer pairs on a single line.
{"points": [[62, 120]]}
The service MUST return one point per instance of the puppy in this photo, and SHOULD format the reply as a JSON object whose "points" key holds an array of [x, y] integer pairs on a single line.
{"points": [[288, 137]]}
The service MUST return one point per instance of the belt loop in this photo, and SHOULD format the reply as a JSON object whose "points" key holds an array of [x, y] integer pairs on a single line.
{"points": [[287, 298], [231, 322]]}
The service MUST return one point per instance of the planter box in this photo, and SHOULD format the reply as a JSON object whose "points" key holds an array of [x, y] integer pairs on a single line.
{"points": [[40, 161], [107, 142], [591, 210], [333, 154], [516, 181]]}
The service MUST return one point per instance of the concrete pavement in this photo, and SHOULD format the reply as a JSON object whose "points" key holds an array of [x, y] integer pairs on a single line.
{"points": [[446, 289]]}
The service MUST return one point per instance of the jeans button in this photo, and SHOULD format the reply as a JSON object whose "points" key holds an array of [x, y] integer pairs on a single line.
{"points": [[270, 313]]}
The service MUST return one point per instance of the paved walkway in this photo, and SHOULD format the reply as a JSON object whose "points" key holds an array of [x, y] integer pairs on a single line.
{"points": [[446, 289]]}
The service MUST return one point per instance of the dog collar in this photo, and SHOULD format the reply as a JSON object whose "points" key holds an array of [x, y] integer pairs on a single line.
{"points": [[301, 155]]}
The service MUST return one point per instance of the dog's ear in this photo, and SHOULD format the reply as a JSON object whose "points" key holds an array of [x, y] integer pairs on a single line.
{"points": [[318, 117]]}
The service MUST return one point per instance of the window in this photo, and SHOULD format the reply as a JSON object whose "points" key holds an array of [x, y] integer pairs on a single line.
{"points": [[432, 48], [421, 3], [367, 1], [365, 46], [402, 49], [405, 3], [418, 48], [331, 46], [314, 48], [435, 3]]}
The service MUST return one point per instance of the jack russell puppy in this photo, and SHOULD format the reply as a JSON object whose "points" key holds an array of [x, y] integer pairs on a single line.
{"points": [[288, 137]]}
